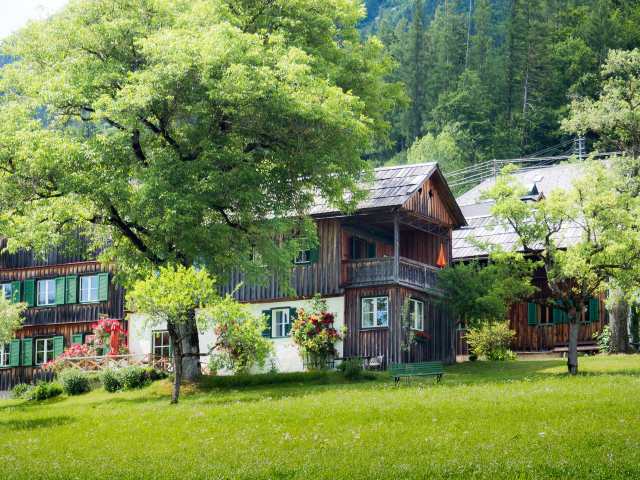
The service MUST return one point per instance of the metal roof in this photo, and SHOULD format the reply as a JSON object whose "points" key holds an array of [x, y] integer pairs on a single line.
{"points": [[392, 187], [484, 228]]}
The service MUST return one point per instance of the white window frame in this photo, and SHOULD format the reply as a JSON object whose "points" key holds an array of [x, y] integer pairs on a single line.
{"points": [[45, 342], [5, 352], [92, 290], [163, 347], [7, 290], [50, 288], [279, 330], [416, 320], [374, 312], [303, 257]]}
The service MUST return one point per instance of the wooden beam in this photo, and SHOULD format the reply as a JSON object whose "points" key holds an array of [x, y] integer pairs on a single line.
{"points": [[396, 247]]}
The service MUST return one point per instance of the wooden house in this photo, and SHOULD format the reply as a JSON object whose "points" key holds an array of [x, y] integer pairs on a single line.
{"points": [[371, 264], [65, 295], [539, 327]]}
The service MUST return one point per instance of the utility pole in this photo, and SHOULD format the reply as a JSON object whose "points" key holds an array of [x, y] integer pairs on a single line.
{"points": [[579, 148]]}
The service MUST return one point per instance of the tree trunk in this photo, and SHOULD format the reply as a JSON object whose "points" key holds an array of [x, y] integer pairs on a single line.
{"points": [[177, 363], [619, 323], [190, 346], [572, 356]]}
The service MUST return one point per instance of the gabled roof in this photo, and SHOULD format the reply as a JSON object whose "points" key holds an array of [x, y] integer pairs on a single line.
{"points": [[392, 187], [483, 227]]}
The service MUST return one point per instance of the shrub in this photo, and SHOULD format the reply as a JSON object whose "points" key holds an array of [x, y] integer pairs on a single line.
{"points": [[111, 380], [604, 339], [491, 341], [21, 390], [351, 368], [154, 374], [44, 390], [74, 381], [133, 377]]}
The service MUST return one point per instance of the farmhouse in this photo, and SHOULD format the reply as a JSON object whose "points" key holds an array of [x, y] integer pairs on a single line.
{"points": [[370, 266], [538, 326]]}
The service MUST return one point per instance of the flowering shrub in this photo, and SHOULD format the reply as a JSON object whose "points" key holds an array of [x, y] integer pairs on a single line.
{"points": [[315, 335], [109, 334], [74, 351]]}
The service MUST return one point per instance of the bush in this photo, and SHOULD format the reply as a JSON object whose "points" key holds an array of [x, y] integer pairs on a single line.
{"points": [[21, 390], [74, 381], [44, 390], [604, 339], [133, 377], [154, 374], [351, 369], [491, 341], [111, 380]]}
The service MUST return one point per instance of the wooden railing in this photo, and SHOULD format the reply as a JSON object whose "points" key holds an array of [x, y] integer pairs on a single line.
{"points": [[372, 271]]}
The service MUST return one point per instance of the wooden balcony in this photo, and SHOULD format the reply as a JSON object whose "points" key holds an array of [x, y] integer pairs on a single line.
{"points": [[380, 271]]}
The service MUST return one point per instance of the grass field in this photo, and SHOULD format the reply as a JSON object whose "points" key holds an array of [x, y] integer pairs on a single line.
{"points": [[523, 419]]}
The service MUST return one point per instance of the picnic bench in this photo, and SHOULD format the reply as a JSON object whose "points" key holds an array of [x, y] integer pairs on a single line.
{"points": [[421, 369]]}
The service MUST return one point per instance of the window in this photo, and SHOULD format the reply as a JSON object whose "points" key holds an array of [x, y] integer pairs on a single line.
{"points": [[416, 314], [161, 344], [4, 354], [89, 288], [361, 248], [280, 322], [375, 312], [47, 292], [304, 256], [44, 350], [7, 290]]}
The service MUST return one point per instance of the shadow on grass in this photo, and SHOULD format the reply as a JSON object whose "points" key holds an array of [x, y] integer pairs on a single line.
{"points": [[31, 423]]}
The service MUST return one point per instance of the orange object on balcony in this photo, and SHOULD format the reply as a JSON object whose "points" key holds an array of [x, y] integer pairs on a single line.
{"points": [[442, 259]]}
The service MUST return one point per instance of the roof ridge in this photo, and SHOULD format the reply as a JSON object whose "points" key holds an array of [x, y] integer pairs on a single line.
{"points": [[406, 165]]}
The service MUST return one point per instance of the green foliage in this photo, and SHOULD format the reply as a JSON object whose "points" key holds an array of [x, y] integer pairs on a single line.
{"points": [[491, 341], [314, 333], [446, 148], [172, 294], [111, 380], [21, 390], [352, 369], [133, 377], [603, 337], [239, 342], [479, 293], [10, 318], [74, 381], [44, 391]]}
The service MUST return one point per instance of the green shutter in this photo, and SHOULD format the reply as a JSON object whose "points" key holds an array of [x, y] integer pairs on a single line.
{"points": [[71, 289], [557, 315], [58, 346], [29, 292], [15, 292], [293, 314], [371, 249], [27, 351], [267, 331], [532, 313], [103, 287], [594, 310], [77, 339], [14, 352], [60, 290], [314, 255]]}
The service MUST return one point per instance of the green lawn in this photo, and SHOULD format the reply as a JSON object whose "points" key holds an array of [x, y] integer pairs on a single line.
{"points": [[522, 419]]}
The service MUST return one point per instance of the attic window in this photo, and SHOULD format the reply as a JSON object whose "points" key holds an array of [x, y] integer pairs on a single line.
{"points": [[430, 193]]}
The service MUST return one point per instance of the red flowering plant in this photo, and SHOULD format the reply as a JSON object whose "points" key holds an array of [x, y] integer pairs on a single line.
{"points": [[315, 335], [74, 351], [109, 337]]}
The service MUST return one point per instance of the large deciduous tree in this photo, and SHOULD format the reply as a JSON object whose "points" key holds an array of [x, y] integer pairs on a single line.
{"points": [[186, 131]]}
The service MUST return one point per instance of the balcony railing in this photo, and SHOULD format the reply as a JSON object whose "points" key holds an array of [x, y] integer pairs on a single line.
{"points": [[372, 271]]}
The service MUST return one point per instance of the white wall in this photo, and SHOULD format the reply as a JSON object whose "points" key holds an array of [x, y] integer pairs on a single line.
{"points": [[286, 357]]}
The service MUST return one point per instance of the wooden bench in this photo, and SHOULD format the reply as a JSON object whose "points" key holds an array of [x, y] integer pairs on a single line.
{"points": [[422, 369], [582, 347]]}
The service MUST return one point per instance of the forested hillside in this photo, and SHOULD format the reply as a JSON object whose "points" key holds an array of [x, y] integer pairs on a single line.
{"points": [[492, 78]]}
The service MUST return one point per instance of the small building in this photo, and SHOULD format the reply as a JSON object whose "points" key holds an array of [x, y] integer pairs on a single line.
{"points": [[369, 264], [65, 295], [539, 327]]}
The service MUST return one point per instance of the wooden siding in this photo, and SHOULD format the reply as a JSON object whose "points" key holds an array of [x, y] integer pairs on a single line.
{"points": [[26, 258], [388, 341], [422, 247], [432, 205], [321, 277], [56, 314]]}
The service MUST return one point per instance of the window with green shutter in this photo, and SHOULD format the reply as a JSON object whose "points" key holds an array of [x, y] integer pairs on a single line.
{"points": [[27, 352], [14, 352], [103, 287], [15, 292], [293, 314], [58, 346], [29, 292], [71, 289], [77, 339], [532, 313], [314, 255], [60, 290], [267, 331]]}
